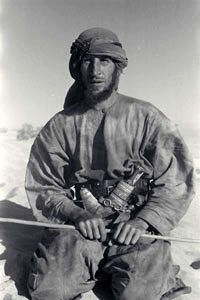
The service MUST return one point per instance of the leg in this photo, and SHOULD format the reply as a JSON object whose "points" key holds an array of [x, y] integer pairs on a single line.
{"points": [[63, 266], [141, 272]]}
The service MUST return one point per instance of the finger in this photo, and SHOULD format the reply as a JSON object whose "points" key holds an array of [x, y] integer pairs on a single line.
{"points": [[81, 227], [129, 236], [118, 230], [89, 229], [123, 233], [102, 230], [95, 229], [136, 237]]}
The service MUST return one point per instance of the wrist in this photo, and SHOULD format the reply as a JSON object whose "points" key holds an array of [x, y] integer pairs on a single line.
{"points": [[142, 223], [70, 211]]}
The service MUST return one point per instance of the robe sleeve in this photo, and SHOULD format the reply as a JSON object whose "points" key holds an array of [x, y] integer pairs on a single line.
{"points": [[172, 185], [46, 177]]}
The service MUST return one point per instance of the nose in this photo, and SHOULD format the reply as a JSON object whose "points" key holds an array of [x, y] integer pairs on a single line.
{"points": [[95, 67]]}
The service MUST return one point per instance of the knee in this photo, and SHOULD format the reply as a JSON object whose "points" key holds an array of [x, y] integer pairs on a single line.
{"points": [[55, 266], [43, 283], [49, 287], [45, 295], [128, 288], [50, 265]]}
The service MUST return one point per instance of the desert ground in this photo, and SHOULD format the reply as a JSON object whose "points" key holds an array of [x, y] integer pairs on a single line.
{"points": [[17, 241]]}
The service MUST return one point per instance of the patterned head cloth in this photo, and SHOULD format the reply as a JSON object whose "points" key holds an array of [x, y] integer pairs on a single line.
{"points": [[94, 41]]}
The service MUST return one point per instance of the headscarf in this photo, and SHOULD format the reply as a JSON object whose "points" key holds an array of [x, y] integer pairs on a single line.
{"points": [[94, 41]]}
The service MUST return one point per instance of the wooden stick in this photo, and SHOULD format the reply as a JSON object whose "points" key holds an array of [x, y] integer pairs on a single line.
{"points": [[35, 223], [65, 226], [170, 238]]}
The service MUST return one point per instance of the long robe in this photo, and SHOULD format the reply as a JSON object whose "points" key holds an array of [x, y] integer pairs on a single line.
{"points": [[84, 143]]}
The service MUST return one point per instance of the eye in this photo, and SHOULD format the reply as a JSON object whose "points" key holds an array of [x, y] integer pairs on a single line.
{"points": [[86, 60], [105, 59]]}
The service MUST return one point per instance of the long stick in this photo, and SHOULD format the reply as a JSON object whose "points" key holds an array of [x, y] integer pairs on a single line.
{"points": [[65, 226], [170, 238]]}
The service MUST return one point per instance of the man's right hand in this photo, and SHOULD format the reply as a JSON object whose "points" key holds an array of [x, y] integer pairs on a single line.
{"points": [[91, 227]]}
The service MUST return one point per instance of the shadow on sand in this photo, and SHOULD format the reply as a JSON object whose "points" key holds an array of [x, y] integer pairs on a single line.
{"points": [[19, 241], [102, 291]]}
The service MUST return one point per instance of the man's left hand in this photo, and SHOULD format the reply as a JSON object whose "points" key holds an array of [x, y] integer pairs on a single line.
{"points": [[129, 232]]}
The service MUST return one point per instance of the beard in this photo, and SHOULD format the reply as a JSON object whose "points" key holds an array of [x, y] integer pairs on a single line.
{"points": [[94, 98]]}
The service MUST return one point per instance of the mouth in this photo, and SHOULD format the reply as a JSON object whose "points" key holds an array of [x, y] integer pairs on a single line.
{"points": [[95, 82]]}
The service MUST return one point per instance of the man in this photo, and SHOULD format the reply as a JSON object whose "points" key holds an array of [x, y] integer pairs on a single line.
{"points": [[127, 156]]}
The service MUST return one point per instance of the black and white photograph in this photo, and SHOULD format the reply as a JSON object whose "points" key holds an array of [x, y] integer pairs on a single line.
{"points": [[99, 149]]}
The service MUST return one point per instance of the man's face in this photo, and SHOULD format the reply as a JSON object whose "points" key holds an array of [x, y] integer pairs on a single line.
{"points": [[98, 76]]}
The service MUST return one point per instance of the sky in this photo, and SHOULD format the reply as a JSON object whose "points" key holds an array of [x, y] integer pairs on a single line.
{"points": [[161, 39]]}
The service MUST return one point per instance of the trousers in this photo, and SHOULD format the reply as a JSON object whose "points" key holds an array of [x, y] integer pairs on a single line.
{"points": [[65, 265]]}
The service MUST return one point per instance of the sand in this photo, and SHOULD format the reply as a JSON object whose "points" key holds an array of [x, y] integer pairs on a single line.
{"points": [[17, 241]]}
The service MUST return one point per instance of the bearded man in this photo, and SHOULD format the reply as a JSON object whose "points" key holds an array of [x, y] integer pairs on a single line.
{"points": [[127, 156]]}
